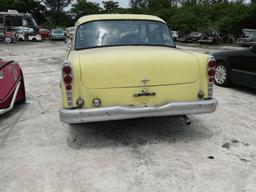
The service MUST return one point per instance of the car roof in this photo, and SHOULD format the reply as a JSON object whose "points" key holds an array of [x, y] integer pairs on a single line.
{"points": [[89, 18], [57, 29]]}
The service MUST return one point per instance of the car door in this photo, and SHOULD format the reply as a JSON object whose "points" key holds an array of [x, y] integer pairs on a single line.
{"points": [[243, 68]]}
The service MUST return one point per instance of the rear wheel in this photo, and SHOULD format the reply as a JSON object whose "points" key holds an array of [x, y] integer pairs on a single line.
{"points": [[22, 88], [222, 77], [7, 39]]}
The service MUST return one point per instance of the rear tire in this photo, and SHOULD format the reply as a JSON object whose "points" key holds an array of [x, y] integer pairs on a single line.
{"points": [[8, 40], [222, 75], [22, 87]]}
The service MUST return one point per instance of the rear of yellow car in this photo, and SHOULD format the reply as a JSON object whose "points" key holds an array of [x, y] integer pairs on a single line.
{"points": [[123, 82]]}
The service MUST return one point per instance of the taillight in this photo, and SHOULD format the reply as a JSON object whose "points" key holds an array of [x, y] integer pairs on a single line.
{"points": [[211, 73], [211, 79], [212, 63], [67, 69], [67, 79], [68, 87], [66, 73]]}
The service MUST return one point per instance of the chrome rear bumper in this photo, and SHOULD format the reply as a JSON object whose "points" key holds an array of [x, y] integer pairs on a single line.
{"points": [[76, 116]]}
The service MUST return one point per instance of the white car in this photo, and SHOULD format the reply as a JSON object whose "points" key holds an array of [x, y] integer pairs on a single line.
{"points": [[175, 34], [26, 30], [20, 37], [35, 37]]}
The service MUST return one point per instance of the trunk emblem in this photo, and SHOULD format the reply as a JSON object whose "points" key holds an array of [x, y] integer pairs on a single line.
{"points": [[145, 81], [145, 93], [144, 90]]}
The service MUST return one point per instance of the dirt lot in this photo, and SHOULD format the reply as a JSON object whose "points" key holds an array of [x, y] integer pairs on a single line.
{"points": [[38, 153]]}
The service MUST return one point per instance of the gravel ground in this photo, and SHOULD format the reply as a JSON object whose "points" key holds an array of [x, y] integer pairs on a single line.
{"points": [[38, 153]]}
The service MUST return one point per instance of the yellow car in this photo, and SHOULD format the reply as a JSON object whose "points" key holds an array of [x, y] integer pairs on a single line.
{"points": [[123, 66]]}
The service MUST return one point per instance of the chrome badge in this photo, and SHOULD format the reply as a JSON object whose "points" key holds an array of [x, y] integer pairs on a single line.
{"points": [[145, 81]]}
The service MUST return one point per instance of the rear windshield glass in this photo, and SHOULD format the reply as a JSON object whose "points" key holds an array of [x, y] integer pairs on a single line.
{"points": [[122, 33]]}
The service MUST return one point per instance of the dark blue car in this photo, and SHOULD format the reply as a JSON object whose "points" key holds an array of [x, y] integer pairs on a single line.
{"points": [[236, 67]]}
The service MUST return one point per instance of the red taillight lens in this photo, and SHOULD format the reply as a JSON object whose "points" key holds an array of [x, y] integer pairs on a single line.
{"points": [[68, 87], [211, 79], [211, 72], [212, 64], [67, 79], [211, 67], [67, 69]]}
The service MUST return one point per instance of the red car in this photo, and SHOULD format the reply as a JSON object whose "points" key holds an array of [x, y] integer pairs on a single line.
{"points": [[11, 85], [44, 33], [7, 37]]}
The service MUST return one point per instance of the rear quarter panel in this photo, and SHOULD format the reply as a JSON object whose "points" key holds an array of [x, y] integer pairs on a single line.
{"points": [[10, 74]]}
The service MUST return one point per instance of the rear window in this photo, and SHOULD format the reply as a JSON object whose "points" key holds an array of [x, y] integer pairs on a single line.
{"points": [[123, 33], [58, 31]]}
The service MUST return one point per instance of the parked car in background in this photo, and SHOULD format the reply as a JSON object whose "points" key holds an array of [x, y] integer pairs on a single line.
{"points": [[11, 85], [45, 33], [123, 66], [57, 34], [25, 30], [210, 39], [175, 34], [8, 37], [248, 37], [35, 37], [21, 37], [31, 37], [236, 67], [193, 37]]}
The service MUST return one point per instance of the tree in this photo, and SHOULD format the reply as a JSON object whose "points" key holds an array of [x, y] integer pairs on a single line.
{"points": [[24, 6], [159, 4], [56, 8], [138, 4], [83, 7], [110, 6]]}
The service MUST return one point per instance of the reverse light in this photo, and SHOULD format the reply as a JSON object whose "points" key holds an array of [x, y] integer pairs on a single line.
{"points": [[80, 102], [96, 102], [200, 94]]}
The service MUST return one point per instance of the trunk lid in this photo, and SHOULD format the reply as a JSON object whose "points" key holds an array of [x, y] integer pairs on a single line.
{"points": [[135, 66]]}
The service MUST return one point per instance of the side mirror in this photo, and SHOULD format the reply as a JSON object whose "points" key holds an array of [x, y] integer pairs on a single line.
{"points": [[253, 48]]}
